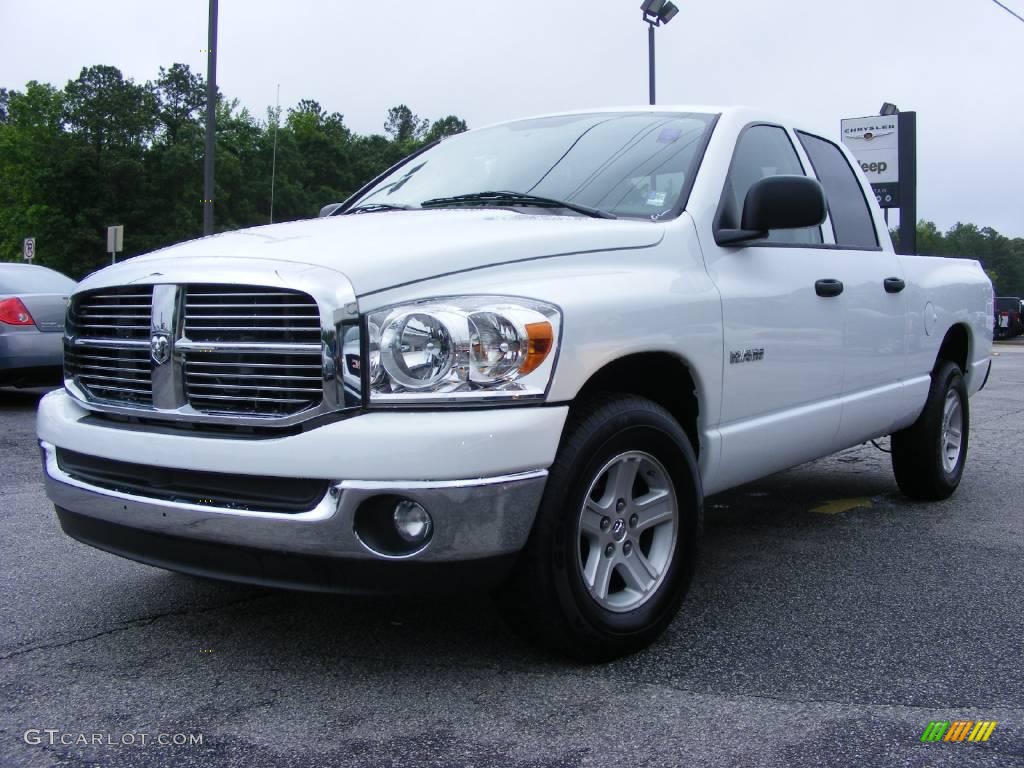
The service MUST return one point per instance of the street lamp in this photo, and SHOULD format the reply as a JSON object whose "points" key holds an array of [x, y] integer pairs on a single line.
{"points": [[656, 13], [888, 109]]}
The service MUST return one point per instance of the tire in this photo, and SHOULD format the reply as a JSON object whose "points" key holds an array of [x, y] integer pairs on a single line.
{"points": [[928, 457], [555, 593]]}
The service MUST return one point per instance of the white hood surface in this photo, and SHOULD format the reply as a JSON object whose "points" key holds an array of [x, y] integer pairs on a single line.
{"points": [[382, 250]]}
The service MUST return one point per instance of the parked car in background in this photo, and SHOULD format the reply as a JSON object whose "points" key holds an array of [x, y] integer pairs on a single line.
{"points": [[1008, 317], [33, 300]]}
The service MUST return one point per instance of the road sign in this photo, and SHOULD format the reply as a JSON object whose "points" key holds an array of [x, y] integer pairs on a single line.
{"points": [[28, 248], [115, 241]]}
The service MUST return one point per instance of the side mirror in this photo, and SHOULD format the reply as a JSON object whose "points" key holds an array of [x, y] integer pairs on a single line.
{"points": [[328, 209], [778, 202]]}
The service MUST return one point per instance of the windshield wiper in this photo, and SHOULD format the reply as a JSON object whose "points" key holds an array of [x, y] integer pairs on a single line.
{"points": [[376, 208], [513, 198]]}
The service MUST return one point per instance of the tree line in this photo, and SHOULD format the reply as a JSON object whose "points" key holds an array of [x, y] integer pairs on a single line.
{"points": [[1002, 257], [106, 150]]}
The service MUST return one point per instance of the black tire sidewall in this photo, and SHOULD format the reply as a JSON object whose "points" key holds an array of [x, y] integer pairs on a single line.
{"points": [[660, 436]]}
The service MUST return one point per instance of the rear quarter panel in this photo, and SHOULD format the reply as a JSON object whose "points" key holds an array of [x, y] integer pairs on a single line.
{"points": [[943, 292]]}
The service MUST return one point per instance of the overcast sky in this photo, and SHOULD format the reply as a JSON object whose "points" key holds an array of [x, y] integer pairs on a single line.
{"points": [[958, 63]]}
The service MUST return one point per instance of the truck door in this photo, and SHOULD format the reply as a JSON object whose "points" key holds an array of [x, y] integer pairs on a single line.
{"points": [[783, 312], [874, 339]]}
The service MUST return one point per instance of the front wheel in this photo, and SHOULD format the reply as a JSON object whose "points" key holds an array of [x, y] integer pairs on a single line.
{"points": [[928, 457], [616, 538]]}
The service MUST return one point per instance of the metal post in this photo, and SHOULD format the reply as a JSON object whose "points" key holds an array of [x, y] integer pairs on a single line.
{"points": [[908, 181], [211, 121], [650, 58], [273, 162]]}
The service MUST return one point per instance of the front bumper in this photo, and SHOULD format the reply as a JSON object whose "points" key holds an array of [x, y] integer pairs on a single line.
{"points": [[481, 518]]}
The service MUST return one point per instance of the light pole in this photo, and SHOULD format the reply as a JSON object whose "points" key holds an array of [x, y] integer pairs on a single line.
{"points": [[211, 121], [656, 13]]}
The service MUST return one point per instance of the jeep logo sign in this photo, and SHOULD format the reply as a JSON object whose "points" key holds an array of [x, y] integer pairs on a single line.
{"points": [[874, 142]]}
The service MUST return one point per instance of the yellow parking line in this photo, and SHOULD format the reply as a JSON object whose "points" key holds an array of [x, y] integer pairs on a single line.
{"points": [[841, 505]]}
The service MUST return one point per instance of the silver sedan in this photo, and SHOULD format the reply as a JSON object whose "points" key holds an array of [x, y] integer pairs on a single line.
{"points": [[32, 305]]}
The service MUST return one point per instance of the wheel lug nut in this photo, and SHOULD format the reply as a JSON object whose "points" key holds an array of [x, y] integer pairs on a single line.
{"points": [[627, 547], [633, 520], [606, 523], [620, 505], [609, 550]]}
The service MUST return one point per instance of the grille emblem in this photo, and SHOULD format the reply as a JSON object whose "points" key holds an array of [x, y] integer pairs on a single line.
{"points": [[160, 348]]}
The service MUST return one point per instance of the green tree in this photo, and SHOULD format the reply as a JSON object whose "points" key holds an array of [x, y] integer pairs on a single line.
{"points": [[1001, 257], [180, 101], [445, 127], [33, 188], [105, 150], [403, 126]]}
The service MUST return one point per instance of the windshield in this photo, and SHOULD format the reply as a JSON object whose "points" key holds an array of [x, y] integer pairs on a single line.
{"points": [[632, 165]]}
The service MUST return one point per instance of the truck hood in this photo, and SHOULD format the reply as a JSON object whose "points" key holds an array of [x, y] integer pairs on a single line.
{"points": [[376, 251]]}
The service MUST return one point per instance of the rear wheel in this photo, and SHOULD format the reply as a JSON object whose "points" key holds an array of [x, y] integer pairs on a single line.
{"points": [[928, 457], [615, 542]]}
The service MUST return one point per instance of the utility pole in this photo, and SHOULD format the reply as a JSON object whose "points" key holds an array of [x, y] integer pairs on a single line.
{"points": [[211, 121], [650, 60], [907, 122]]}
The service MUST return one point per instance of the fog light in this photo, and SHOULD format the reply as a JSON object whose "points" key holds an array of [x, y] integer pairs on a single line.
{"points": [[412, 522]]}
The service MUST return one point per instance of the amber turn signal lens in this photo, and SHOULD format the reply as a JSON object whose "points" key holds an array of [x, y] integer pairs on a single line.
{"points": [[541, 342]]}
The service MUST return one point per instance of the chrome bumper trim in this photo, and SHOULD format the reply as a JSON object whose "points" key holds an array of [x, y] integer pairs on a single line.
{"points": [[390, 485], [474, 518]]}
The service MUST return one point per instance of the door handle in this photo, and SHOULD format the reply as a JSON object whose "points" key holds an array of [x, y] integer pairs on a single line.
{"points": [[828, 287], [893, 284]]}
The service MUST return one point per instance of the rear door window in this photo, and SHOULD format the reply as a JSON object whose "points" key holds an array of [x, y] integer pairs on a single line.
{"points": [[848, 209]]}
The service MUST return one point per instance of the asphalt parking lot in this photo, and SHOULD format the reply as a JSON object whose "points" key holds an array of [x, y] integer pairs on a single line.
{"points": [[829, 623]]}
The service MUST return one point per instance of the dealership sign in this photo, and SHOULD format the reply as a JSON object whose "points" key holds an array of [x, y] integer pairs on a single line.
{"points": [[874, 142]]}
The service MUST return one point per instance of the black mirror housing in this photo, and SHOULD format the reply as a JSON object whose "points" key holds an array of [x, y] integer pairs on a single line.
{"points": [[783, 202]]}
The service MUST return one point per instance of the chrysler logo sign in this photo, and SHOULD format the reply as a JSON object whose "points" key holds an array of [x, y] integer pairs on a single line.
{"points": [[160, 349]]}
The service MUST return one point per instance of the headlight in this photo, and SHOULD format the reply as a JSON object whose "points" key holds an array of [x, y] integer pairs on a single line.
{"points": [[462, 348]]}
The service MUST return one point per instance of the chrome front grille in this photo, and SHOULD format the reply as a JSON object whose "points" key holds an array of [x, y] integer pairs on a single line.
{"points": [[110, 356], [248, 355], [275, 367]]}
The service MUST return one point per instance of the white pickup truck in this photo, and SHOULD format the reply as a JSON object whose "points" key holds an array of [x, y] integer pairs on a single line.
{"points": [[520, 358]]}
